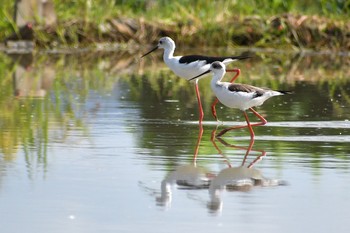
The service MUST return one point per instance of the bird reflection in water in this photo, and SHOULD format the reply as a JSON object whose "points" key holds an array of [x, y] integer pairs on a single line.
{"points": [[189, 176], [241, 178]]}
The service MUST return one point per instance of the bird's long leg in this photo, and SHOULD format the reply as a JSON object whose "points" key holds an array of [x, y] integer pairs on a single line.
{"points": [[247, 149], [251, 143], [262, 119], [238, 72], [252, 135], [212, 139], [200, 134], [250, 148], [201, 114], [213, 109], [263, 154]]}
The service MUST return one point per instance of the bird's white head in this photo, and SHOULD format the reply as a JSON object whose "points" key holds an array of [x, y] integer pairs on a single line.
{"points": [[165, 43], [217, 68]]}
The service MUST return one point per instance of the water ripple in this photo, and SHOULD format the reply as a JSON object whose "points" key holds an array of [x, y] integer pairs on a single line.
{"points": [[290, 124]]}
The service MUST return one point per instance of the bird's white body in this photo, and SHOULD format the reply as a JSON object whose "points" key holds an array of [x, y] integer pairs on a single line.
{"points": [[238, 99], [188, 66], [185, 71], [240, 96]]}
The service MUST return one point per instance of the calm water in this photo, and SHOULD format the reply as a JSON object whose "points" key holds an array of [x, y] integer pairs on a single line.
{"points": [[96, 142]]}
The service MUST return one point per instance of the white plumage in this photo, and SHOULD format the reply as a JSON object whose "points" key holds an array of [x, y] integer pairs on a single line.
{"points": [[240, 96], [191, 65], [236, 95], [240, 99]]}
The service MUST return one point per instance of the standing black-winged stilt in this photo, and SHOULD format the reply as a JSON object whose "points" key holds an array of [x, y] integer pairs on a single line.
{"points": [[192, 65], [241, 96]]}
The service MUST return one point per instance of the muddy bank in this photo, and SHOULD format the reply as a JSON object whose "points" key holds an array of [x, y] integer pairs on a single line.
{"points": [[282, 31]]}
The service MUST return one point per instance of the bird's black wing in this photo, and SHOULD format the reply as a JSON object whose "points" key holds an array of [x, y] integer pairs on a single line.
{"points": [[209, 60], [236, 87]]}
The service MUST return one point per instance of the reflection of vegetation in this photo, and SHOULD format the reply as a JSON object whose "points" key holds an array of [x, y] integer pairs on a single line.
{"points": [[26, 120], [321, 88], [317, 82]]}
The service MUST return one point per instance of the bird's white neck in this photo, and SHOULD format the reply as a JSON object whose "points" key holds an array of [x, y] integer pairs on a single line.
{"points": [[217, 77], [168, 53]]}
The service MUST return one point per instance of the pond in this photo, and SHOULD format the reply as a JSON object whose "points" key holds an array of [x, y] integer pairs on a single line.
{"points": [[106, 142]]}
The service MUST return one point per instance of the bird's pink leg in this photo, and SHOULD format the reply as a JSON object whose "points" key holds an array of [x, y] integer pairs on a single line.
{"points": [[213, 109], [251, 143], [249, 148], [238, 72], [201, 114], [212, 139], [263, 154], [252, 135], [200, 134], [263, 122], [262, 119]]}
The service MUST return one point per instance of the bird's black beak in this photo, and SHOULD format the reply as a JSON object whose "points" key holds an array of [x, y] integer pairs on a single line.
{"points": [[199, 75], [155, 48]]}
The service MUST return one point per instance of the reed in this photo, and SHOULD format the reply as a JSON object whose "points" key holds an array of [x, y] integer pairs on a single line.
{"points": [[87, 22]]}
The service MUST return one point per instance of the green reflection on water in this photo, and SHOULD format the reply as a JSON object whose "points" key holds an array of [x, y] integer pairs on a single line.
{"points": [[321, 94], [43, 94]]}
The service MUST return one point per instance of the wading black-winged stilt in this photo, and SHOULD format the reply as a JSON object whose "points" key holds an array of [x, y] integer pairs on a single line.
{"points": [[240, 96], [192, 65]]}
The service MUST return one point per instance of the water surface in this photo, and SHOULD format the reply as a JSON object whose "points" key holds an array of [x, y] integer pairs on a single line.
{"points": [[104, 142]]}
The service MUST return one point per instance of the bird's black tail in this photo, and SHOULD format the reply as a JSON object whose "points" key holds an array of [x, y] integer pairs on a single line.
{"points": [[244, 55], [285, 92]]}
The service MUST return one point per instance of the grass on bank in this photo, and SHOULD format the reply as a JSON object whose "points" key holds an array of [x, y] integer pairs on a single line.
{"points": [[206, 15], [206, 10]]}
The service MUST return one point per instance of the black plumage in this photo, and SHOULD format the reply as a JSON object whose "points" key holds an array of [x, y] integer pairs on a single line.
{"points": [[235, 87], [209, 60]]}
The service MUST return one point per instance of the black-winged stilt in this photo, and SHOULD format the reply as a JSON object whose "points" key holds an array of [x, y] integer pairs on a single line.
{"points": [[241, 96], [192, 65]]}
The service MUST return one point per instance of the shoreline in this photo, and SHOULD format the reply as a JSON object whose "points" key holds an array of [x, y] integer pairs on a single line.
{"points": [[283, 25], [282, 32]]}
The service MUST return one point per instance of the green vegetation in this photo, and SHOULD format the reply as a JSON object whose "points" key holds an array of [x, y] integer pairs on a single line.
{"points": [[30, 123], [308, 24], [207, 10]]}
